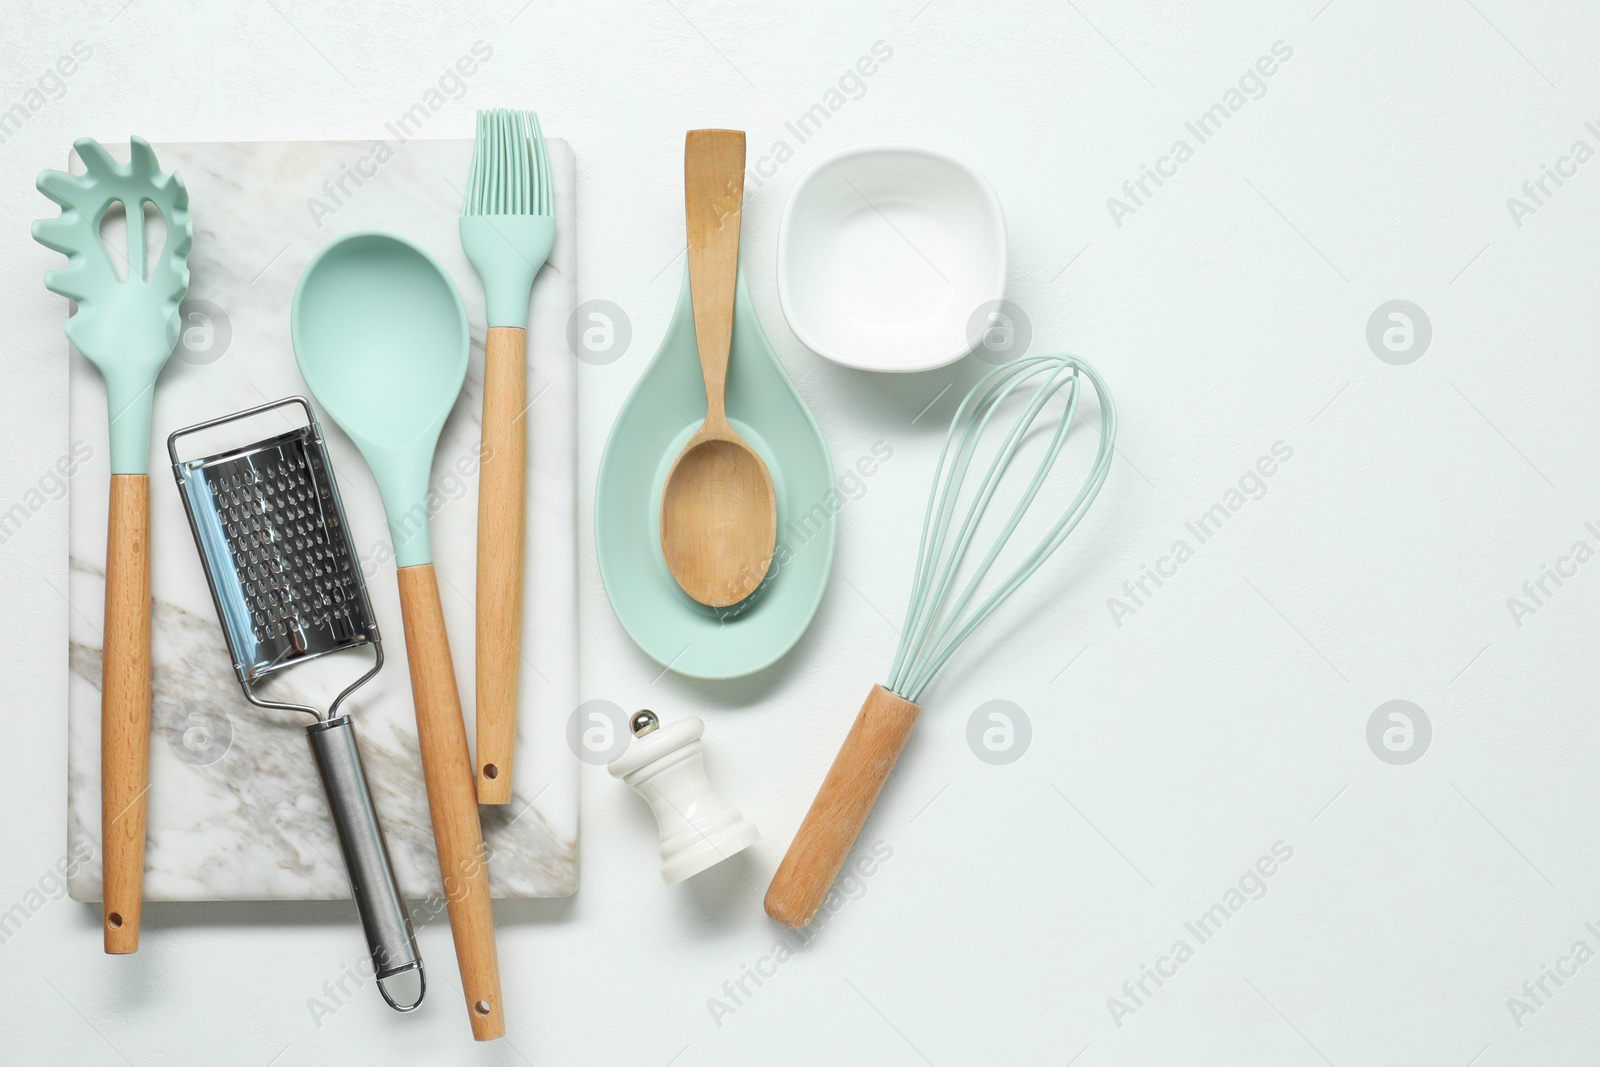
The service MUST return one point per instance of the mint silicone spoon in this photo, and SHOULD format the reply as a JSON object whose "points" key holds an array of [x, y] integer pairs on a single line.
{"points": [[126, 325], [380, 334], [507, 227]]}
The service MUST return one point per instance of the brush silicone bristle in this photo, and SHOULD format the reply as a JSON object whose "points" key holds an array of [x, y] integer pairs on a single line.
{"points": [[510, 174]]}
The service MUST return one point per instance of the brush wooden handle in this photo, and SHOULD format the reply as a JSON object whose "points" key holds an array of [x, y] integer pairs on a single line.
{"points": [[841, 808], [502, 524], [125, 709], [447, 770]]}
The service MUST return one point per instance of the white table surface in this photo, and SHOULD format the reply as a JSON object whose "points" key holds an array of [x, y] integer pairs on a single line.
{"points": [[1230, 713]]}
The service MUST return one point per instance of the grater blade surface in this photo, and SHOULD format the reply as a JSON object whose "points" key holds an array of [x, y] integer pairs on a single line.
{"points": [[278, 552]]}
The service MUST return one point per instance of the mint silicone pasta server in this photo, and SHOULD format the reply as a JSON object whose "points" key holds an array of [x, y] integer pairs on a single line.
{"points": [[125, 323]]}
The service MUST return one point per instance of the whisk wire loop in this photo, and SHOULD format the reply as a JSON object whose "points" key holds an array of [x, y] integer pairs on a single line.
{"points": [[932, 630], [945, 496]]}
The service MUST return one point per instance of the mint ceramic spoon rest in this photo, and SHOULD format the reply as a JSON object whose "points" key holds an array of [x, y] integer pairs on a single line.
{"points": [[381, 337], [666, 409], [126, 325]]}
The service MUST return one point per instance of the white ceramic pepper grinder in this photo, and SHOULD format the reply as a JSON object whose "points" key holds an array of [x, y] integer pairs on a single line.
{"points": [[666, 766]]}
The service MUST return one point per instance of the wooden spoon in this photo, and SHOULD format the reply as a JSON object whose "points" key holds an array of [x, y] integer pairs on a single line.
{"points": [[719, 514]]}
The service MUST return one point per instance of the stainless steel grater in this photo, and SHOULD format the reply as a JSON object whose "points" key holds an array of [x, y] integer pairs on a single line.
{"points": [[287, 585]]}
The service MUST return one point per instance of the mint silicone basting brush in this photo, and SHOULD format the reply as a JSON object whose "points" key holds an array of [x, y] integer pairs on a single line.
{"points": [[507, 228]]}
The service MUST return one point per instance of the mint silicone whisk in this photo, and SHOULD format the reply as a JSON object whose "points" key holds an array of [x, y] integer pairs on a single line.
{"points": [[126, 324], [944, 610]]}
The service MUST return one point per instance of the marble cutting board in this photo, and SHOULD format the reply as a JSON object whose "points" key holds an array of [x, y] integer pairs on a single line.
{"points": [[235, 808]]}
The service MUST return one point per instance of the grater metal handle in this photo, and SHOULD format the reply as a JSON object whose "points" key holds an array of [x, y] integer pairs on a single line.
{"points": [[372, 881]]}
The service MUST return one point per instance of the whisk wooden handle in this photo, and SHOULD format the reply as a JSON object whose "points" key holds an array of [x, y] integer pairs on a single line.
{"points": [[841, 808], [502, 522], [447, 770], [125, 709]]}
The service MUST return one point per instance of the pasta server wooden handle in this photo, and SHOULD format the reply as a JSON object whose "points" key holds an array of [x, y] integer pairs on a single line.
{"points": [[452, 803], [125, 709], [841, 808], [502, 523]]}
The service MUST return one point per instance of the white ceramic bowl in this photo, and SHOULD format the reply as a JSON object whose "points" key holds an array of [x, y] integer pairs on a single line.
{"points": [[887, 253]]}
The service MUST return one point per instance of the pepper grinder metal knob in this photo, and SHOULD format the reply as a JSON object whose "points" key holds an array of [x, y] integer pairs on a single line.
{"points": [[666, 766]]}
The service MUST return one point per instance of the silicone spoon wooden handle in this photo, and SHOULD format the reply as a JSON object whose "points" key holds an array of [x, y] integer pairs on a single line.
{"points": [[841, 808], [502, 523], [447, 770], [125, 709]]}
